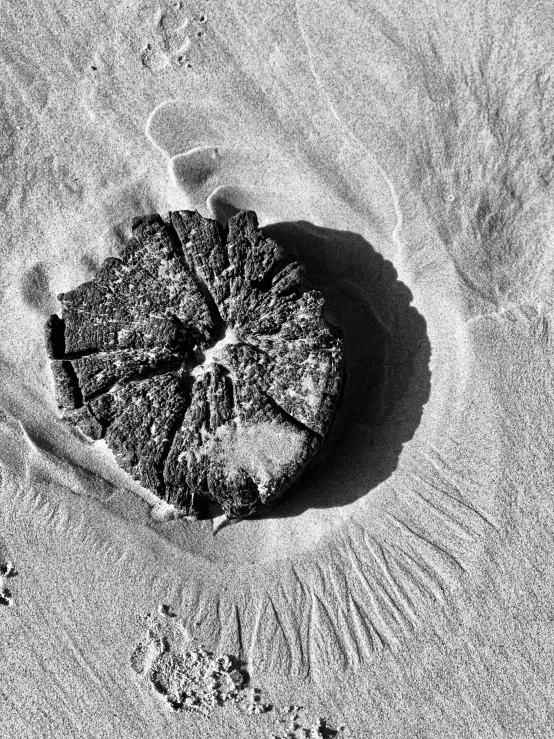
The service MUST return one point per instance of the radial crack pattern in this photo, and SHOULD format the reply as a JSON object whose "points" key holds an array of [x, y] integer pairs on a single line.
{"points": [[199, 358]]}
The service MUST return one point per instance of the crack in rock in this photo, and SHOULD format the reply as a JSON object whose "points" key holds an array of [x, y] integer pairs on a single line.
{"points": [[202, 361]]}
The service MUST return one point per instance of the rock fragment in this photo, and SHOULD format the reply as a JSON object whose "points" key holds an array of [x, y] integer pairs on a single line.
{"points": [[197, 355]]}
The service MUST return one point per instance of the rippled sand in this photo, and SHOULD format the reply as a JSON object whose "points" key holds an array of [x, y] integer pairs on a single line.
{"points": [[404, 152]]}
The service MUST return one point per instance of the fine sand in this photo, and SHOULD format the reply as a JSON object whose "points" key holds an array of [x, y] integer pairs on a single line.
{"points": [[405, 153]]}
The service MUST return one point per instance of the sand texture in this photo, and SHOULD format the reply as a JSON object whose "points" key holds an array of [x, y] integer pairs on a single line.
{"points": [[404, 154]]}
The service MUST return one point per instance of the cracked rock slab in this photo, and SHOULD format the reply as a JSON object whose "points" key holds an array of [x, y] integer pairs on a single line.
{"points": [[199, 358]]}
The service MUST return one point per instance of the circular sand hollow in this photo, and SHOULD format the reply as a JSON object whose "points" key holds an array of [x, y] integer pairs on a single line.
{"points": [[200, 359]]}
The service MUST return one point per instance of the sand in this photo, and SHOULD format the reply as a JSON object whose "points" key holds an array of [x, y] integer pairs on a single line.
{"points": [[404, 152]]}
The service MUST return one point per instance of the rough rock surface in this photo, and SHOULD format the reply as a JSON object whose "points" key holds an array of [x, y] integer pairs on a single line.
{"points": [[199, 358]]}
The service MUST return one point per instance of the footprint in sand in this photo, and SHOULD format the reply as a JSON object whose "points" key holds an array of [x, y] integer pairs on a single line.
{"points": [[190, 678], [175, 37]]}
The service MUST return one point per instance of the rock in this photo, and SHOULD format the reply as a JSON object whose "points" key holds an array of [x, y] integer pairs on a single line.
{"points": [[199, 358]]}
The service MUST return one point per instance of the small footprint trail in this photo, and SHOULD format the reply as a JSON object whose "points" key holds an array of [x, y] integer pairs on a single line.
{"points": [[192, 679], [175, 39]]}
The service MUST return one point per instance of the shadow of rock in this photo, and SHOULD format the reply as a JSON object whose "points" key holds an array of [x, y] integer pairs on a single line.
{"points": [[387, 362]]}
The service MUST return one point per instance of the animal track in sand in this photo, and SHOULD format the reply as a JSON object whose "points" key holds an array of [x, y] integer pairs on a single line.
{"points": [[173, 43], [191, 678]]}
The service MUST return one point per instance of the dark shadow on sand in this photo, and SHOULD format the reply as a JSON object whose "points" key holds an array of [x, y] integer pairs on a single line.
{"points": [[387, 361]]}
